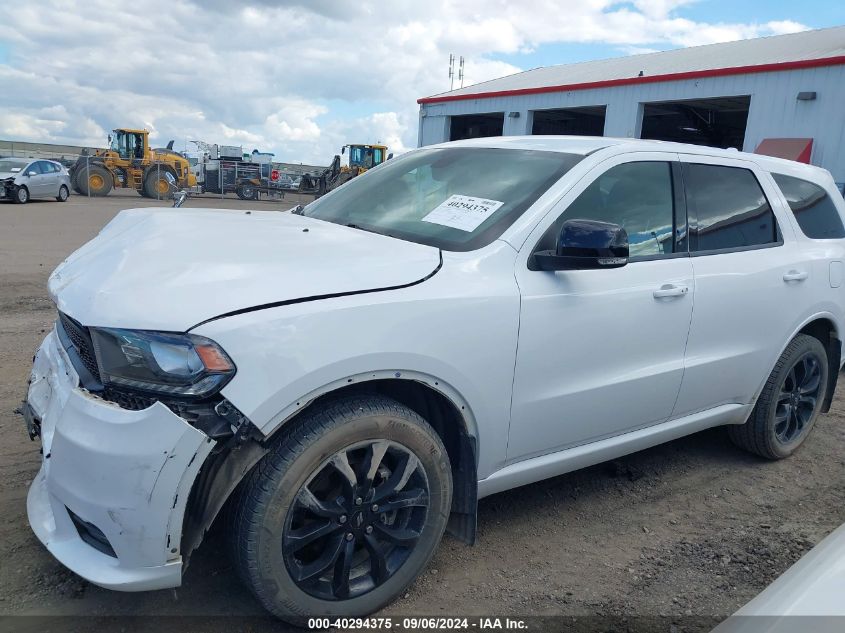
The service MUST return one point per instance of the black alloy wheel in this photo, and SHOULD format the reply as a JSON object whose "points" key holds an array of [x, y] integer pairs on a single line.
{"points": [[798, 397], [790, 402], [345, 510], [356, 520]]}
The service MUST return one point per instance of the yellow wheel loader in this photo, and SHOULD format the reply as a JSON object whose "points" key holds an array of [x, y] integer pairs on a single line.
{"points": [[361, 158], [129, 162]]}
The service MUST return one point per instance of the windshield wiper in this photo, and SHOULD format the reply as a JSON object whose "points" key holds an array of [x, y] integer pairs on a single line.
{"points": [[368, 229]]}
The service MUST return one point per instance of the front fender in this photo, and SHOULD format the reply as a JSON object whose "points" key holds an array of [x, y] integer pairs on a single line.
{"points": [[453, 332]]}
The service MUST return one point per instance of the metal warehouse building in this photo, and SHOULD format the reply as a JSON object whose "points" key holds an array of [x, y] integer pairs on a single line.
{"points": [[782, 95]]}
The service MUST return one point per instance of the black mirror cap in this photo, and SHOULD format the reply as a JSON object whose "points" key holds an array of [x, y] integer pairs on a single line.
{"points": [[585, 245]]}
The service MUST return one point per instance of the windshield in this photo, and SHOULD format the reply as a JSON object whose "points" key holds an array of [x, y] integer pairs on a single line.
{"points": [[457, 199], [12, 165]]}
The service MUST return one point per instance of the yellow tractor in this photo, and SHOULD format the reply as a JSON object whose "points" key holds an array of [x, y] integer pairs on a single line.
{"points": [[361, 158], [364, 157], [130, 162]]}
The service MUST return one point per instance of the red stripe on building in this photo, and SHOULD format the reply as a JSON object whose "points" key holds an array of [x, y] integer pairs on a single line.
{"points": [[627, 81]]}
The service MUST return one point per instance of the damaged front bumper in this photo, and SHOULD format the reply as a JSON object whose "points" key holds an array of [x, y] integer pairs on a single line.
{"points": [[109, 500]]}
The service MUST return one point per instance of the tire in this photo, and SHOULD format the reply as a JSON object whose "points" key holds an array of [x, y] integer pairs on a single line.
{"points": [[247, 192], [21, 195], [74, 173], [270, 516], [64, 194], [94, 180], [789, 403], [74, 182], [156, 185]]}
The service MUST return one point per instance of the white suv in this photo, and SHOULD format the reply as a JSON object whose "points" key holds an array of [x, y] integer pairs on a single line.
{"points": [[350, 378]]}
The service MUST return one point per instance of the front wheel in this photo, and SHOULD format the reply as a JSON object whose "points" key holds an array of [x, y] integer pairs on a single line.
{"points": [[159, 184], [22, 195], [789, 403], [345, 512]]}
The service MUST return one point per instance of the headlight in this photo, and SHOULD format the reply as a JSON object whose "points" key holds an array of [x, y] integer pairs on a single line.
{"points": [[160, 362]]}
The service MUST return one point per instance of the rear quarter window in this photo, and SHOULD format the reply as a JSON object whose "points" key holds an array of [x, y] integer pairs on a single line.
{"points": [[812, 207]]}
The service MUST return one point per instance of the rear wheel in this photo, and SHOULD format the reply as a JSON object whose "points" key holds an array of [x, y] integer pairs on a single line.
{"points": [[64, 194], [247, 192], [94, 180], [345, 512], [157, 184], [789, 403]]}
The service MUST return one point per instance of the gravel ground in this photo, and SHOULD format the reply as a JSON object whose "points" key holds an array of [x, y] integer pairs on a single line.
{"points": [[690, 530]]}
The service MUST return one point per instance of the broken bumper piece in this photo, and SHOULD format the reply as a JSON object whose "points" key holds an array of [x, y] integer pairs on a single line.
{"points": [[110, 497]]}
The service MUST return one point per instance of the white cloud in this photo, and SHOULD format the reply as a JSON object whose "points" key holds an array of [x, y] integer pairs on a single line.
{"points": [[296, 77], [781, 27], [294, 121]]}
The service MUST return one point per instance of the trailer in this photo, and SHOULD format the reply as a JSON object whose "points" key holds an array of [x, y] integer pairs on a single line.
{"points": [[225, 169]]}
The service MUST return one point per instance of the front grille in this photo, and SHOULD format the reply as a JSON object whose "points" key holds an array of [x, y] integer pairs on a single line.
{"points": [[127, 400], [81, 339]]}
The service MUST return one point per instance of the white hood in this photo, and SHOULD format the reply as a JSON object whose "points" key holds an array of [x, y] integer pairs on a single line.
{"points": [[163, 269]]}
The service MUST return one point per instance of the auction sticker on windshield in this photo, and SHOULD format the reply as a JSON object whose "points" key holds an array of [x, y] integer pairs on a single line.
{"points": [[465, 213]]}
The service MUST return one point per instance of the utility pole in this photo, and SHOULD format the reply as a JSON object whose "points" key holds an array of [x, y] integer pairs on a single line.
{"points": [[451, 72], [461, 71]]}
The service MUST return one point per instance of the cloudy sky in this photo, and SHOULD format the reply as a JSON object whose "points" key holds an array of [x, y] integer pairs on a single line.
{"points": [[302, 77]]}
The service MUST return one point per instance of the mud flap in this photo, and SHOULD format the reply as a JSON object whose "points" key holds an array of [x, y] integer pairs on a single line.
{"points": [[834, 357], [463, 519]]}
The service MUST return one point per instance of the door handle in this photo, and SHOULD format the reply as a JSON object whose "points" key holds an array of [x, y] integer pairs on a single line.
{"points": [[670, 290], [795, 275]]}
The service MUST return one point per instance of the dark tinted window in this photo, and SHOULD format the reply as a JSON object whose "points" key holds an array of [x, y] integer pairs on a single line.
{"points": [[727, 209], [816, 214], [636, 196]]}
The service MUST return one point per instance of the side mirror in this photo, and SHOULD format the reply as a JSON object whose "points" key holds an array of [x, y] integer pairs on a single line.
{"points": [[586, 244], [31, 173]]}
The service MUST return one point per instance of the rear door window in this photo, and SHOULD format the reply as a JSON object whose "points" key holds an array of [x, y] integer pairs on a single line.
{"points": [[727, 209], [813, 209]]}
